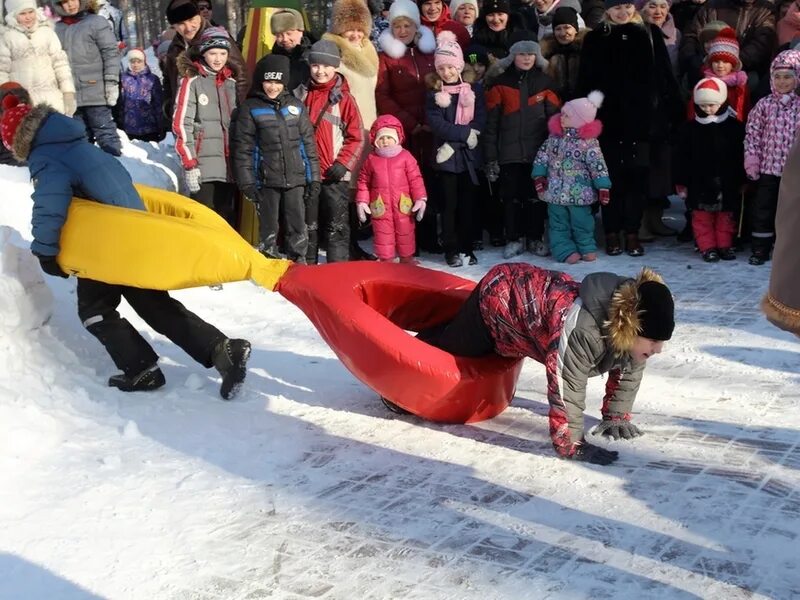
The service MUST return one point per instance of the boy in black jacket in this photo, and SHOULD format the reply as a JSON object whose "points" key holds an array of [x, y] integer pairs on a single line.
{"points": [[275, 158]]}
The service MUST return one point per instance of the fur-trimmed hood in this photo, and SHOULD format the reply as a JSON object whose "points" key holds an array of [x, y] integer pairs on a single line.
{"points": [[363, 62], [550, 46], [394, 48], [86, 6], [591, 130], [41, 21], [613, 302], [189, 68], [434, 82], [28, 128]]}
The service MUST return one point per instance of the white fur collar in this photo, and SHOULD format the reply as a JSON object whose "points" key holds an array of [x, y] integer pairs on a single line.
{"points": [[426, 43]]}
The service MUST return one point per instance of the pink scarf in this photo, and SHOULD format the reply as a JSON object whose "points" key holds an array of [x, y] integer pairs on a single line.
{"points": [[732, 79], [789, 26], [465, 111]]}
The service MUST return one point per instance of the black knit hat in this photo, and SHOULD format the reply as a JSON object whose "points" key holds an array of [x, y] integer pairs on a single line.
{"points": [[565, 15], [656, 311], [496, 6], [273, 67], [179, 11]]}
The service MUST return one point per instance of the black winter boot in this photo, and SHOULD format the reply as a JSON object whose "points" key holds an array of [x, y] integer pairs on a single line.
{"points": [[149, 379], [230, 359]]}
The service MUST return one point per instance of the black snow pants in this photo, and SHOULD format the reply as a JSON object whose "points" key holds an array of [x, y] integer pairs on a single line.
{"points": [[328, 223]]}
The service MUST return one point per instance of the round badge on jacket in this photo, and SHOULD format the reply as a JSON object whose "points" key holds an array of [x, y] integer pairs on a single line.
{"points": [[293, 110], [203, 99]]}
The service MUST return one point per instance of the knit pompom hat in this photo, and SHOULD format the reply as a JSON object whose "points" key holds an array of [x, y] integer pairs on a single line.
{"points": [[725, 47], [583, 111], [211, 38], [710, 90], [13, 113], [448, 51]]}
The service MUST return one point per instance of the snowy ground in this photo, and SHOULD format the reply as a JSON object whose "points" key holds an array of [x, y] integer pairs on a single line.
{"points": [[305, 487]]}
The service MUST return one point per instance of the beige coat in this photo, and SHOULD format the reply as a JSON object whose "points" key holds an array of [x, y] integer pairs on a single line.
{"points": [[781, 305], [360, 69], [36, 60]]}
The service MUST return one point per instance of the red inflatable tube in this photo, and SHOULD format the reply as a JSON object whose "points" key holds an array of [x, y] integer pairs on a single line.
{"points": [[363, 309]]}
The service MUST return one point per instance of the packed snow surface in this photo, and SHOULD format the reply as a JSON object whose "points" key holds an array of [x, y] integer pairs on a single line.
{"points": [[306, 487]]}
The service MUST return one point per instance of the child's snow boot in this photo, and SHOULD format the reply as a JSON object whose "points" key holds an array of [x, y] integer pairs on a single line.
{"points": [[150, 378], [711, 256], [472, 259], [453, 259], [727, 254], [512, 249], [230, 359]]}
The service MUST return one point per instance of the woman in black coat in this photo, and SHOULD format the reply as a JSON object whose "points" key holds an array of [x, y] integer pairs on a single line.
{"points": [[627, 60]]}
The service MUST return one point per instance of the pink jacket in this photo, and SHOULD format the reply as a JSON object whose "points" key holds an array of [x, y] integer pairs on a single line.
{"points": [[391, 185], [773, 124]]}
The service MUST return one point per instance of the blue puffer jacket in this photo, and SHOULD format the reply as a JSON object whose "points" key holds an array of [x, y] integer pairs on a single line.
{"points": [[63, 163], [142, 96]]}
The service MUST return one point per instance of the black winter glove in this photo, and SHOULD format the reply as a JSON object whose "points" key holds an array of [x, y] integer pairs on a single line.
{"points": [[616, 426], [50, 266], [312, 191], [335, 172], [585, 452]]}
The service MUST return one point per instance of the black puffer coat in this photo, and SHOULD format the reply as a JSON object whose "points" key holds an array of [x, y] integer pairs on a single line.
{"points": [[273, 145]]}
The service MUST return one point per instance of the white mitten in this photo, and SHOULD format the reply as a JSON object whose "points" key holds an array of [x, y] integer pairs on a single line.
{"points": [[362, 208], [444, 153], [419, 209], [472, 138], [193, 180]]}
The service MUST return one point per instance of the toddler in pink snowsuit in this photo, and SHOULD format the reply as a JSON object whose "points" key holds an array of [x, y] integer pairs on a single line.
{"points": [[391, 190]]}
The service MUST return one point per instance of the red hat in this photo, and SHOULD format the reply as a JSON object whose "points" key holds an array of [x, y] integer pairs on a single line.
{"points": [[13, 113], [463, 37], [725, 47], [386, 122]]}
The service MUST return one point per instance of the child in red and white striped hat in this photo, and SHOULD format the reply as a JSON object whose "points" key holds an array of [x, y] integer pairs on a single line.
{"points": [[723, 62]]}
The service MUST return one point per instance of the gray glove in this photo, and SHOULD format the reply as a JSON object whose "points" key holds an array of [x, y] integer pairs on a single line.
{"points": [[492, 170], [617, 427], [112, 93], [193, 180]]}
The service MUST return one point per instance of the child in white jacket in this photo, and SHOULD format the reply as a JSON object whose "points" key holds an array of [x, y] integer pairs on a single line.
{"points": [[31, 54]]}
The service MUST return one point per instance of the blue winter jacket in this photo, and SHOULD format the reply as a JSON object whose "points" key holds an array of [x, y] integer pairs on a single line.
{"points": [[64, 164], [142, 97]]}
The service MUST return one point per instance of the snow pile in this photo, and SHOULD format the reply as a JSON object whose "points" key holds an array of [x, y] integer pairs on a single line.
{"points": [[25, 301]]}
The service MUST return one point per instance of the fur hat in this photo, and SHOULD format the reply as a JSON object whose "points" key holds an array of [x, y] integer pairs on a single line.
{"points": [[725, 47], [656, 311], [404, 8], [324, 52], [523, 43], [583, 111], [286, 19], [349, 15], [565, 15], [14, 7], [710, 90], [454, 5], [13, 113], [212, 37], [135, 53], [448, 52], [273, 67], [497, 6], [179, 11]]}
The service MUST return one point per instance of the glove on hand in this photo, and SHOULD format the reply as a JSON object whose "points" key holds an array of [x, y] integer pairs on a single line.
{"points": [[472, 139], [681, 191], [585, 452], [50, 266], [312, 191], [540, 185], [193, 180], [444, 153], [112, 93], [604, 196], [70, 104], [419, 209], [492, 170], [617, 427], [362, 208], [335, 172]]}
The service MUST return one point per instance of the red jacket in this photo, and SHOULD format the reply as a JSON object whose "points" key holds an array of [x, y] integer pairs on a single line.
{"points": [[339, 132]]}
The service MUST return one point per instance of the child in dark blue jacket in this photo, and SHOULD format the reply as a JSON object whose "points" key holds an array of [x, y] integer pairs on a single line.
{"points": [[64, 164], [456, 114], [142, 97]]}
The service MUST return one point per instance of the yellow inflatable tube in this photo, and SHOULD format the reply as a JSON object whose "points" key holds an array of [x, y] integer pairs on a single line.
{"points": [[177, 243]]}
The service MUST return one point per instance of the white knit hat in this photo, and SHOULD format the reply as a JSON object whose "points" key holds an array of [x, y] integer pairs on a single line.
{"points": [[454, 4], [14, 7], [710, 91], [136, 53], [387, 132], [404, 8]]}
